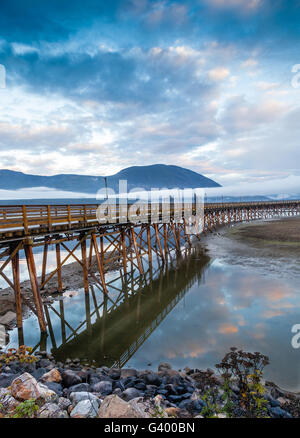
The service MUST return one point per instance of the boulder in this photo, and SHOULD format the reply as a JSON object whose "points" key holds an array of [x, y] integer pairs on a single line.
{"points": [[44, 363], [128, 372], [70, 378], [130, 393], [51, 410], [153, 379], [8, 402], [64, 403], [7, 379], [25, 387], [81, 387], [77, 397], [85, 409], [103, 387], [172, 412], [52, 376], [56, 387], [114, 407], [38, 373], [8, 318], [164, 366], [279, 413]]}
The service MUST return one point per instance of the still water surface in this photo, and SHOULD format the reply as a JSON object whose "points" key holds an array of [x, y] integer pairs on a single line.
{"points": [[189, 314]]}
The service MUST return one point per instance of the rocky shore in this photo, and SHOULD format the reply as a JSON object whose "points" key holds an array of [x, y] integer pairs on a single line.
{"points": [[46, 389]]}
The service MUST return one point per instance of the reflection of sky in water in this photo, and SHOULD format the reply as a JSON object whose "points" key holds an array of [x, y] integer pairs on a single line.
{"points": [[234, 306]]}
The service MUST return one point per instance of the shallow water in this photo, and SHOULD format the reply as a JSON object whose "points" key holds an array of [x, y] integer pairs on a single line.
{"points": [[189, 313]]}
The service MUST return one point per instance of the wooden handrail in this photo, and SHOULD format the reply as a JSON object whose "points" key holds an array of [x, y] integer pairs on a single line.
{"points": [[50, 217]]}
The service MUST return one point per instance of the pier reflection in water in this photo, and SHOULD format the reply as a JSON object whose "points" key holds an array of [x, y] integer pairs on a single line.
{"points": [[109, 329]]}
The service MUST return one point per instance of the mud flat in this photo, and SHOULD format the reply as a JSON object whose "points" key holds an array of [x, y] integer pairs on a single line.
{"points": [[279, 232], [271, 247]]}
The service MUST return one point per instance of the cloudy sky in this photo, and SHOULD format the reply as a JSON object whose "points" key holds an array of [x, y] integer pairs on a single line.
{"points": [[95, 86]]}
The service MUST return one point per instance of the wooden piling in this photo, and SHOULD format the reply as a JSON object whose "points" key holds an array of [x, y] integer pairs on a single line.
{"points": [[35, 286], [84, 266], [44, 265], [58, 264], [17, 288], [99, 262], [137, 253]]}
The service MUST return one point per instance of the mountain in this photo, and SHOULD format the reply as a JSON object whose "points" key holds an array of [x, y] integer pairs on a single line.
{"points": [[146, 177]]}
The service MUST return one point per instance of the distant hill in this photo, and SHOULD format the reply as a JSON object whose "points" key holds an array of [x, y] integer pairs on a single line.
{"points": [[146, 177]]}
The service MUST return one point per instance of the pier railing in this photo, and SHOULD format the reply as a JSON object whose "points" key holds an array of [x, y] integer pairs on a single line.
{"points": [[23, 220]]}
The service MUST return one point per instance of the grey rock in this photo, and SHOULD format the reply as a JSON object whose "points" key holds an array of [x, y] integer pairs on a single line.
{"points": [[51, 410], [85, 409], [81, 387], [76, 397], [56, 387], [70, 378], [39, 372], [6, 379], [128, 372], [164, 366], [130, 393], [64, 403], [117, 391], [8, 318], [44, 363], [175, 398], [279, 413], [103, 387], [153, 379]]}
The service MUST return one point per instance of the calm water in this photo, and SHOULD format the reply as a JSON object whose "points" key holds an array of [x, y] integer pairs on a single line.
{"points": [[189, 313]]}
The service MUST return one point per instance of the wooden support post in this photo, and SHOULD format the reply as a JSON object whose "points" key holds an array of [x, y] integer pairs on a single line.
{"points": [[165, 242], [90, 255], [17, 288], [158, 242], [187, 233], [44, 266], [99, 262], [102, 253], [140, 266], [149, 244], [124, 252], [175, 237], [58, 263], [84, 265], [35, 287]]}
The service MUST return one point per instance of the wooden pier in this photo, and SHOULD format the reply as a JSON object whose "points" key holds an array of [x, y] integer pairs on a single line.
{"points": [[119, 238]]}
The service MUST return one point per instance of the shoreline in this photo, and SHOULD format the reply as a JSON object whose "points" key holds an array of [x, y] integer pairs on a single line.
{"points": [[73, 390]]}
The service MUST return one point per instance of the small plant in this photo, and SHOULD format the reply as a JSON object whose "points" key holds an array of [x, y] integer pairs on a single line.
{"points": [[210, 399], [227, 398], [246, 369], [22, 355], [27, 409], [158, 412]]}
